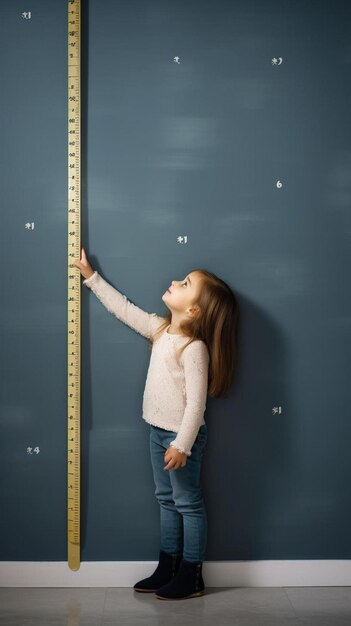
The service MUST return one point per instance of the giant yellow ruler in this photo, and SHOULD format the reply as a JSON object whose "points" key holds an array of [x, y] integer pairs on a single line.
{"points": [[74, 286]]}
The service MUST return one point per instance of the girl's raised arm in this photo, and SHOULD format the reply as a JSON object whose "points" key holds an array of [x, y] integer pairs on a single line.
{"points": [[118, 304]]}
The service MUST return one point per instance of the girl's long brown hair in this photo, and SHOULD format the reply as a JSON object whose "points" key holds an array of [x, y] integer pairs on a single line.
{"points": [[218, 326]]}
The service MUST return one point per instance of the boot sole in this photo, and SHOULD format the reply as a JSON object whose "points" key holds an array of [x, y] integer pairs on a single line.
{"points": [[145, 590], [193, 595]]}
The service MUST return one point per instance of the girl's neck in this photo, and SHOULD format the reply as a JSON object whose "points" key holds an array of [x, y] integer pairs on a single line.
{"points": [[169, 331]]}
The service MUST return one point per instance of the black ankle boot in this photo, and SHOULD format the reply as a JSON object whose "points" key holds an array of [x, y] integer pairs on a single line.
{"points": [[167, 568], [188, 583]]}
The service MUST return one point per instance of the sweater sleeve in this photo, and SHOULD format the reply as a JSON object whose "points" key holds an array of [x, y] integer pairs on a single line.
{"points": [[116, 303], [196, 361]]}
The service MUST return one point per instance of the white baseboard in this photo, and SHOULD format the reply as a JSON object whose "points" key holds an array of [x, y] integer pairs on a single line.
{"points": [[295, 573]]}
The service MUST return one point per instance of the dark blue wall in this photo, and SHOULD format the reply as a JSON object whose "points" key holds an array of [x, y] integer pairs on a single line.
{"points": [[169, 150]]}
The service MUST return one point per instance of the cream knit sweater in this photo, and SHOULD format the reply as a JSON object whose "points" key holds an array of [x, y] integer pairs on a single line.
{"points": [[174, 395]]}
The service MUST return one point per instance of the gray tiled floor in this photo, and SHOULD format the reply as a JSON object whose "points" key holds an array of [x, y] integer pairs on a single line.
{"points": [[120, 606]]}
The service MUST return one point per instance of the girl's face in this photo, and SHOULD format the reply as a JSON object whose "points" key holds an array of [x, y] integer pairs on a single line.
{"points": [[182, 293]]}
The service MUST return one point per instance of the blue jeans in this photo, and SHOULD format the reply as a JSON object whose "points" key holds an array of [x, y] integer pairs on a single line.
{"points": [[178, 491]]}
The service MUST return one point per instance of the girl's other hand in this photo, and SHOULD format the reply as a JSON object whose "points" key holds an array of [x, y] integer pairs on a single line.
{"points": [[174, 459], [84, 265]]}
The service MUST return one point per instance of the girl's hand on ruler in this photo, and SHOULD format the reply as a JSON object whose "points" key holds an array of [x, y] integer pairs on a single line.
{"points": [[174, 458], [84, 265]]}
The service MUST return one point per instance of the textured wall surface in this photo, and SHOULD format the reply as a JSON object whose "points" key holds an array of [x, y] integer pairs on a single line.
{"points": [[214, 135]]}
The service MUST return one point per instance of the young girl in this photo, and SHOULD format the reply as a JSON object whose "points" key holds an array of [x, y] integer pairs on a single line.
{"points": [[193, 355]]}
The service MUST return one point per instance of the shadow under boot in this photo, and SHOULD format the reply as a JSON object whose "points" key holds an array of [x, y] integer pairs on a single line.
{"points": [[166, 569]]}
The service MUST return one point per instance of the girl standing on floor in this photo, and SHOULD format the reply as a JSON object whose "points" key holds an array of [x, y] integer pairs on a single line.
{"points": [[193, 355]]}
